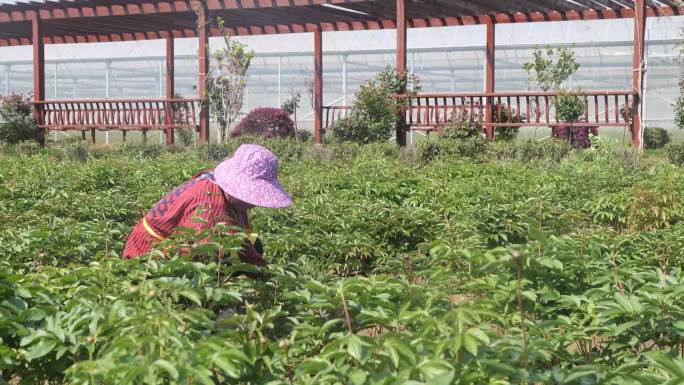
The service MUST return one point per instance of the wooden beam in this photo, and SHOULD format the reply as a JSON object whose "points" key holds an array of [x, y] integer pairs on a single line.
{"points": [[401, 67], [202, 29], [401, 36], [169, 87], [38, 60], [638, 69], [78, 23], [72, 9], [490, 50], [38, 68], [318, 86]]}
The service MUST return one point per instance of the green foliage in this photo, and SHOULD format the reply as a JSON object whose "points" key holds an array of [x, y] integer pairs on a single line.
{"points": [[291, 104], [16, 120], [551, 67], [655, 137], [463, 139], [607, 150], [186, 136], [304, 136], [23, 148], [285, 149], [569, 107], [354, 128], [382, 272], [675, 153], [529, 151], [505, 133], [214, 151], [142, 150], [473, 148], [679, 107], [373, 117], [462, 128], [77, 152]]}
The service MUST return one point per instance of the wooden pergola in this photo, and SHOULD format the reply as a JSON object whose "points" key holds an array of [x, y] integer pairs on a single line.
{"points": [[80, 21]]}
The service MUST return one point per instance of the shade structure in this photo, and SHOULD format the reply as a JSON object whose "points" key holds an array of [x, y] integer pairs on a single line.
{"points": [[101, 21], [117, 20]]}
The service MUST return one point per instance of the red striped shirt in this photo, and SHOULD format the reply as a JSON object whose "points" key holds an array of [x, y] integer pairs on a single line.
{"points": [[199, 197]]}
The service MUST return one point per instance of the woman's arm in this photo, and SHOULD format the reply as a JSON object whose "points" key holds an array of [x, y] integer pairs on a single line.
{"points": [[210, 208]]}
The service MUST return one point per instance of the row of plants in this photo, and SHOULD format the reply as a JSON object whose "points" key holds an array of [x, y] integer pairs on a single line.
{"points": [[382, 272], [460, 141]]}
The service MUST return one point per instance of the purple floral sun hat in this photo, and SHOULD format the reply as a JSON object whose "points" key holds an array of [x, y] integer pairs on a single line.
{"points": [[251, 175]]}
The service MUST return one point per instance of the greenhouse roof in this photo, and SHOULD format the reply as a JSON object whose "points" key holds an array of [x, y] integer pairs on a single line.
{"points": [[79, 21]]}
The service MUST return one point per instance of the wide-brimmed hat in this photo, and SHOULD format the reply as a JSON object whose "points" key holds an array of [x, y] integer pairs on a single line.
{"points": [[251, 175]]}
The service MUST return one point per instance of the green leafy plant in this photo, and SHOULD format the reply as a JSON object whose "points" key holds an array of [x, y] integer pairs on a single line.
{"points": [[374, 114], [530, 151], [675, 153], [186, 136], [459, 270], [679, 107], [473, 148], [551, 67], [291, 105], [655, 137], [142, 150], [569, 107], [304, 136], [17, 123], [501, 114], [461, 128], [78, 152]]}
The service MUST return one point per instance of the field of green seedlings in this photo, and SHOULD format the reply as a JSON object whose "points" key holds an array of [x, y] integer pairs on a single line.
{"points": [[384, 271]]}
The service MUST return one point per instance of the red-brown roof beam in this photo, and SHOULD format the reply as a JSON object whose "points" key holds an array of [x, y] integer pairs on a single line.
{"points": [[109, 23]]}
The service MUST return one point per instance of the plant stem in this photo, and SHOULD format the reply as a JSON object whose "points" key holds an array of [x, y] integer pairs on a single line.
{"points": [[347, 318], [523, 328]]}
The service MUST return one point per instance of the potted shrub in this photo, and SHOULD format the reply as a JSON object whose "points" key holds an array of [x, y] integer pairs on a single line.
{"points": [[569, 109], [267, 122]]}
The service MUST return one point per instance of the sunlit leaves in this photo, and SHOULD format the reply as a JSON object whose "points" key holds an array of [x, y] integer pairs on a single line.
{"points": [[381, 273]]}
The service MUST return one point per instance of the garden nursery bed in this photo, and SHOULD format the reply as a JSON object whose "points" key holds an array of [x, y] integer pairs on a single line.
{"points": [[535, 265]]}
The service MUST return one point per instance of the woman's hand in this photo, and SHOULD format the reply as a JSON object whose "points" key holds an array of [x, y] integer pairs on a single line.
{"points": [[249, 254]]}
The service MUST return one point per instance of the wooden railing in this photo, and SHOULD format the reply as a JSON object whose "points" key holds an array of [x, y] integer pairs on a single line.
{"points": [[433, 111], [108, 114], [332, 114], [517, 109]]}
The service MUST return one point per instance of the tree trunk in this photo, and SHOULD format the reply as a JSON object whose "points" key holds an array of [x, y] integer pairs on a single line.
{"points": [[296, 129]]}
